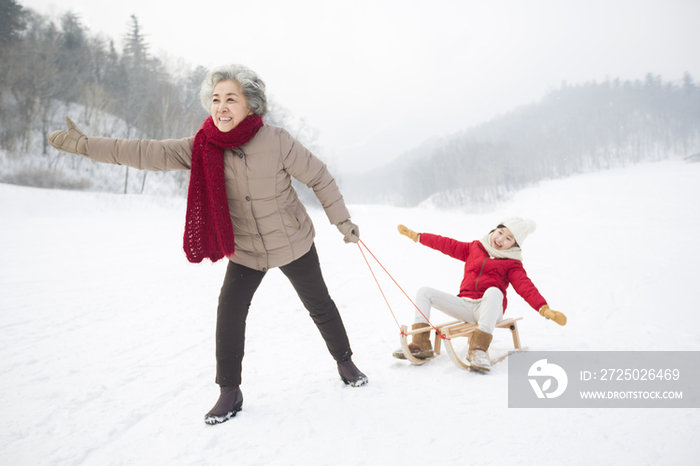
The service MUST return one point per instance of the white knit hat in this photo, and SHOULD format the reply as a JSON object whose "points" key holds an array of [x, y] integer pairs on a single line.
{"points": [[520, 227]]}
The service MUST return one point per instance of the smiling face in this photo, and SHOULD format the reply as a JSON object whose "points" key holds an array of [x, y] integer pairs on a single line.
{"points": [[228, 105], [502, 239]]}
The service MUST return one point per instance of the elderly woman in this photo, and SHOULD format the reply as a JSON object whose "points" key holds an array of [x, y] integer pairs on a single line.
{"points": [[241, 205]]}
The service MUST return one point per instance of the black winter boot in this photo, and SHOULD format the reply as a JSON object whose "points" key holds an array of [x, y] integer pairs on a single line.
{"points": [[350, 374], [229, 403]]}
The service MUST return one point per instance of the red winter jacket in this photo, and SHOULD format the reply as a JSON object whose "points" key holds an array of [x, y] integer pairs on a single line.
{"points": [[482, 272]]}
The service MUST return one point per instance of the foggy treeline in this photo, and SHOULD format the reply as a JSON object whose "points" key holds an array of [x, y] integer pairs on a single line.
{"points": [[52, 68], [45, 64], [573, 129]]}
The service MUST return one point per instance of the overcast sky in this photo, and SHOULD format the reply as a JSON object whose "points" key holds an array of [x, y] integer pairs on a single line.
{"points": [[378, 77]]}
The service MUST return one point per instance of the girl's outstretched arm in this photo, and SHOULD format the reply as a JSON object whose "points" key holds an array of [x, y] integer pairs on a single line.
{"points": [[525, 288], [449, 246]]}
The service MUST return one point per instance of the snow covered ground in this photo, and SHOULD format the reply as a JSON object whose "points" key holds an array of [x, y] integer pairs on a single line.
{"points": [[107, 334]]}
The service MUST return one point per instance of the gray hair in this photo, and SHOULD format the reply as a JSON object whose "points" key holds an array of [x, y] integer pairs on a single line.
{"points": [[252, 86]]}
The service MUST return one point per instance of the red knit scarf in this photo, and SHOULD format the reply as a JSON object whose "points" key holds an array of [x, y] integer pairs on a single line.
{"points": [[208, 227]]}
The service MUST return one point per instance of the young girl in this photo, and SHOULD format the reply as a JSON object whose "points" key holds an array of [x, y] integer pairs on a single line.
{"points": [[491, 264]]}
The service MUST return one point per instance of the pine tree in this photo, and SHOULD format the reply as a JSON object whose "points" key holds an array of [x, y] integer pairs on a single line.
{"points": [[12, 21], [135, 62]]}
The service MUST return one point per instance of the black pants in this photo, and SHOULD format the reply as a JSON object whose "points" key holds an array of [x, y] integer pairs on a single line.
{"points": [[237, 293]]}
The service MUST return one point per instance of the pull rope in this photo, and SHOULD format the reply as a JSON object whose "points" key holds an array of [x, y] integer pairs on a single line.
{"points": [[360, 245]]}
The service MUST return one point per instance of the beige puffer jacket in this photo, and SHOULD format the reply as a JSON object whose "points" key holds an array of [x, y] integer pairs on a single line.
{"points": [[270, 224]]}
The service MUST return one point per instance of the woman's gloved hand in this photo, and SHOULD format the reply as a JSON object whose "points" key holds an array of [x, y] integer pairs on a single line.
{"points": [[350, 231], [410, 233], [72, 141], [556, 316]]}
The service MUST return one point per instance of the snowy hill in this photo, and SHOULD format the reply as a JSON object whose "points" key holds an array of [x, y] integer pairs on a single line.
{"points": [[107, 348]]}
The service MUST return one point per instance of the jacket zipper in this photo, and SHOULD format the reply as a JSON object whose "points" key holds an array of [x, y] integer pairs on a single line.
{"points": [[476, 285]]}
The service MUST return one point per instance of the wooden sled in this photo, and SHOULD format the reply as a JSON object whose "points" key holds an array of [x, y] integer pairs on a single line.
{"points": [[457, 329]]}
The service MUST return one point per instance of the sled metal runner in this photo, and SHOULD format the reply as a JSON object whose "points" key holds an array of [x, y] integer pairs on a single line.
{"points": [[456, 329]]}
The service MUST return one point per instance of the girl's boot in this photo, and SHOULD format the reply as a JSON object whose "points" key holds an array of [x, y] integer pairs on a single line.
{"points": [[477, 356], [420, 345]]}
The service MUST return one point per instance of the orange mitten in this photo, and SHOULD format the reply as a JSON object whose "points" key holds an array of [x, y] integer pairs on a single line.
{"points": [[556, 316], [410, 233]]}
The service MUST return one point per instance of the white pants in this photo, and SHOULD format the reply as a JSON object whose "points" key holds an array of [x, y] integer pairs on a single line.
{"points": [[486, 311]]}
